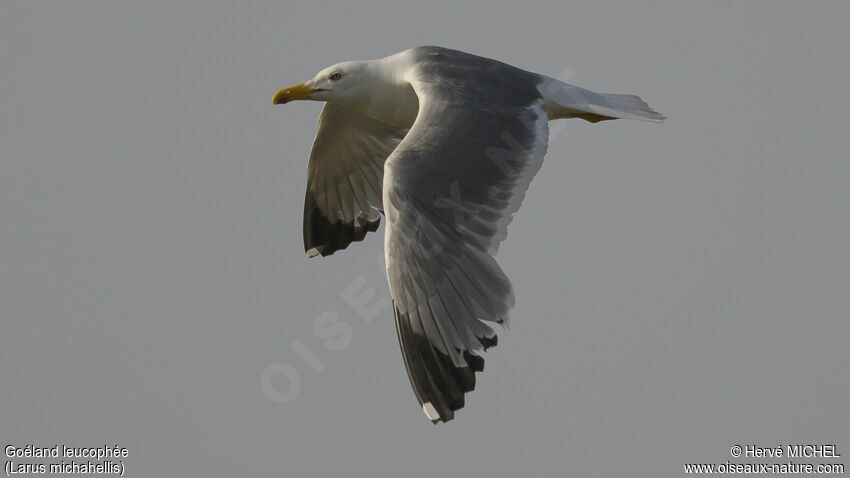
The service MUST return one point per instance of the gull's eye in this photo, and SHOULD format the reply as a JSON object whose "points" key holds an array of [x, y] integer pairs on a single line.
{"points": [[335, 76]]}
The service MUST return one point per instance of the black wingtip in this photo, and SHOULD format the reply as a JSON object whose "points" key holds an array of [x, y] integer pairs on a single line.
{"points": [[438, 384], [323, 237]]}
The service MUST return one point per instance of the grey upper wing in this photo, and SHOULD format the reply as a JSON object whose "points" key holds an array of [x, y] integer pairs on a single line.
{"points": [[344, 178], [449, 192]]}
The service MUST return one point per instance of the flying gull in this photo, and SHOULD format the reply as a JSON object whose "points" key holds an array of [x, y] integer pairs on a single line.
{"points": [[443, 144]]}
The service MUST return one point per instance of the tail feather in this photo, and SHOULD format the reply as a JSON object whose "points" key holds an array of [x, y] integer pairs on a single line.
{"points": [[563, 100], [626, 107]]}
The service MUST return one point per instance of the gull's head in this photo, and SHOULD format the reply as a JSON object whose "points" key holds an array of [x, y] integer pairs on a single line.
{"points": [[342, 83]]}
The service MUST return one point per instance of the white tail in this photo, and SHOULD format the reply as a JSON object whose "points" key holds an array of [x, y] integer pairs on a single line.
{"points": [[563, 100]]}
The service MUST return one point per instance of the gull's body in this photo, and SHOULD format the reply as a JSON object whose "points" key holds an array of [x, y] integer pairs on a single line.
{"points": [[444, 144]]}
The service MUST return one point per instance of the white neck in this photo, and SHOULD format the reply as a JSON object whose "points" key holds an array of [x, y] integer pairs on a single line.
{"points": [[389, 98]]}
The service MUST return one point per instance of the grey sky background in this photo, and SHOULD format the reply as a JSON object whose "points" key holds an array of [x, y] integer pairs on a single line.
{"points": [[681, 288]]}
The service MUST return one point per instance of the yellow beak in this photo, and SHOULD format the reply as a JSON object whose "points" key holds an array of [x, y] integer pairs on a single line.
{"points": [[297, 92]]}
